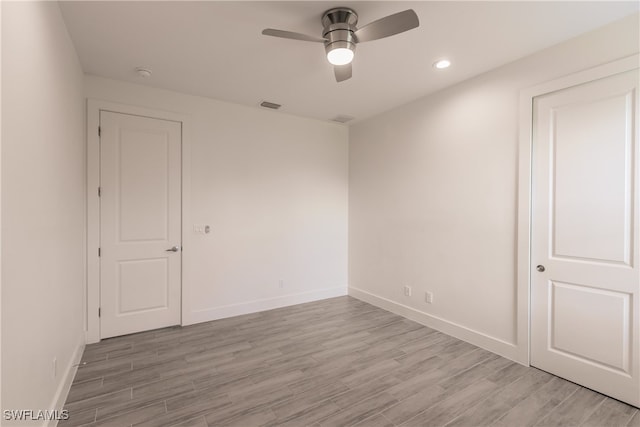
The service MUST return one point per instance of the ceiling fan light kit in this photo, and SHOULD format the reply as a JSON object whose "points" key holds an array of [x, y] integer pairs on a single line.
{"points": [[340, 44], [340, 55], [340, 34]]}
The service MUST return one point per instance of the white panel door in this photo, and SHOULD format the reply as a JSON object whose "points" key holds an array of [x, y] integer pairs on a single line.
{"points": [[585, 275], [140, 208]]}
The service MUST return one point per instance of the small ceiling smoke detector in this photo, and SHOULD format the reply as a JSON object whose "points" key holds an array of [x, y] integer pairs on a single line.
{"points": [[271, 105], [143, 72], [342, 118], [441, 64]]}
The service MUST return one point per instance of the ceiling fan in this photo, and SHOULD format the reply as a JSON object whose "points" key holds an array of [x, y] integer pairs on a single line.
{"points": [[340, 34]]}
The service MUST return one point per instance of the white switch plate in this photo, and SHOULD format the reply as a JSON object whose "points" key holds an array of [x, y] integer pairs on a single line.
{"points": [[407, 291], [428, 297], [201, 229]]}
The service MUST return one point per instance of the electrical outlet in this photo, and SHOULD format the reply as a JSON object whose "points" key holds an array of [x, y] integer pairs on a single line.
{"points": [[54, 366], [428, 297], [407, 291]]}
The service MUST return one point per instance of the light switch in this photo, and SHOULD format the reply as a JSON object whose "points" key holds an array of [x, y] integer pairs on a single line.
{"points": [[201, 229]]}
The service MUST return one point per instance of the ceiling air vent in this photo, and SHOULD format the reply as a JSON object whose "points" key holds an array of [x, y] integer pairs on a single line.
{"points": [[341, 118], [270, 105]]}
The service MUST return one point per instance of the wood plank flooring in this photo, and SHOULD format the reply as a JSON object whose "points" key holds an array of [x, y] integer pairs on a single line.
{"points": [[335, 362]]}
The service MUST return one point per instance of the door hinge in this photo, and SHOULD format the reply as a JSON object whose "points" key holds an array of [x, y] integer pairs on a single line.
{"points": [[99, 252], [99, 191], [99, 131], [99, 312]]}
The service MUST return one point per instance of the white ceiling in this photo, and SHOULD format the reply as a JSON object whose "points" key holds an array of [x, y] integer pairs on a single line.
{"points": [[215, 49]]}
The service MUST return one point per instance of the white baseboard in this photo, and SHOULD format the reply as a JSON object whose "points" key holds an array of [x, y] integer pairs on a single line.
{"points": [[65, 384], [492, 344], [255, 306]]}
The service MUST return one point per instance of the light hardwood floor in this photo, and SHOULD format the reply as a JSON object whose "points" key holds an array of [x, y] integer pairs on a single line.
{"points": [[334, 362]]}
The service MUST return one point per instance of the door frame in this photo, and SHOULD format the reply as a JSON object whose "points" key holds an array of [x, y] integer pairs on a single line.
{"points": [[94, 106], [524, 223]]}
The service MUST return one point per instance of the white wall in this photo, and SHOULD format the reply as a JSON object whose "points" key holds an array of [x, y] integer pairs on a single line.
{"points": [[273, 188], [42, 206], [433, 193]]}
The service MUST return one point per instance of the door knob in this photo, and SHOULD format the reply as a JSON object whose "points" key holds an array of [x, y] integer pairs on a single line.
{"points": [[540, 268], [173, 249]]}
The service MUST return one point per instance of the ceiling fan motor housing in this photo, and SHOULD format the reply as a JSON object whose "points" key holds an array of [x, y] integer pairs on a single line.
{"points": [[339, 25]]}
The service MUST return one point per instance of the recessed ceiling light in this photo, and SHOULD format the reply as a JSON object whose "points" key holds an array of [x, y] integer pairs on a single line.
{"points": [[143, 72], [441, 64]]}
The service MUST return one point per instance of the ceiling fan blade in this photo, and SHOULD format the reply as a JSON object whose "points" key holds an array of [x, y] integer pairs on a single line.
{"points": [[342, 72], [388, 26], [291, 35]]}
